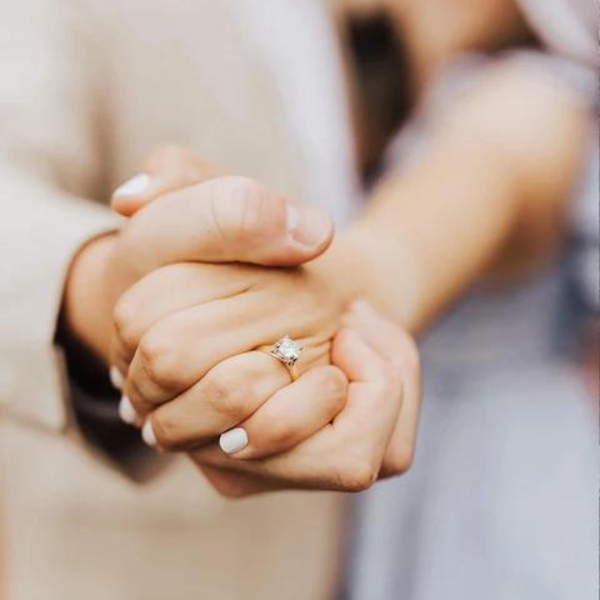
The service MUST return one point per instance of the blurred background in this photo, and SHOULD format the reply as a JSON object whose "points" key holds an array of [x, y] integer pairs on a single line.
{"points": [[320, 99]]}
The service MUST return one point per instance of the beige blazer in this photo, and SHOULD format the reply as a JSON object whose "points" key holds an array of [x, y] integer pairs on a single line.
{"points": [[87, 88]]}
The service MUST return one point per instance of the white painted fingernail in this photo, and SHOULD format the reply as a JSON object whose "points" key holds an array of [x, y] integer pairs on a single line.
{"points": [[133, 187], [116, 378], [234, 440], [148, 434], [127, 413]]}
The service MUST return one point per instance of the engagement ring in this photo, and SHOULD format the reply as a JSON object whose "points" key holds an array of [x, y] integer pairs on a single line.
{"points": [[287, 351]]}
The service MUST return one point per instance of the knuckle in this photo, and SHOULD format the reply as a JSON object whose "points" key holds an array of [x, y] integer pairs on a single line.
{"points": [[399, 459], [166, 428], [252, 206], [255, 212], [277, 433], [358, 474], [223, 396], [159, 361], [124, 320], [335, 385], [140, 403]]}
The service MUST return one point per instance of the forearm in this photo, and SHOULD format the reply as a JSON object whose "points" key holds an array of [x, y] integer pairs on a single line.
{"points": [[425, 238], [489, 192]]}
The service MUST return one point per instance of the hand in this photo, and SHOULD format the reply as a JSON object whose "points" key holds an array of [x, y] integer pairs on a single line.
{"points": [[218, 220], [161, 345], [194, 346], [295, 412], [372, 437], [183, 345]]}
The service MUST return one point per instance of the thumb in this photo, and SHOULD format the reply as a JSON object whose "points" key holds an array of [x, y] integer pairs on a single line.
{"points": [[166, 169], [227, 219]]}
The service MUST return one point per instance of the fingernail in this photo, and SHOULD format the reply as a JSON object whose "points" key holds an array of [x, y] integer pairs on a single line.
{"points": [[116, 378], [127, 413], [148, 434], [234, 440], [133, 187], [309, 226]]}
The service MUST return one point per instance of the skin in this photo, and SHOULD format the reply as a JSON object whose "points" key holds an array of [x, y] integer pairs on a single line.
{"points": [[373, 436], [500, 183], [135, 255], [238, 221]]}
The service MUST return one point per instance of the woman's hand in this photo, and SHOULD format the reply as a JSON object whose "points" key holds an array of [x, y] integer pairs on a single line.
{"points": [[373, 436], [187, 338]]}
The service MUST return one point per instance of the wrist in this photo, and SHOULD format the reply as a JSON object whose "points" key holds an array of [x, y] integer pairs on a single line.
{"points": [[366, 263], [87, 306], [344, 268]]}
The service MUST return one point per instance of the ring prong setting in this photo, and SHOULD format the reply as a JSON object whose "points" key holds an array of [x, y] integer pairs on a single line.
{"points": [[287, 351]]}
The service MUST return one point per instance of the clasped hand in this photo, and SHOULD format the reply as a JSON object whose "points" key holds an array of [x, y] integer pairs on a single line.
{"points": [[203, 278]]}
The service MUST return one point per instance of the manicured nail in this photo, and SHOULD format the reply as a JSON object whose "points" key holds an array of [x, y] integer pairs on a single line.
{"points": [[133, 187], [307, 225], [233, 441], [148, 434], [116, 378], [127, 413]]}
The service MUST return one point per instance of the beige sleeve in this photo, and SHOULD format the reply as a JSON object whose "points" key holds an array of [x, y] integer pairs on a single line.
{"points": [[49, 113]]}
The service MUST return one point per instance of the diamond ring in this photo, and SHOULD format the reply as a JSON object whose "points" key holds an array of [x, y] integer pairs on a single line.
{"points": [[287, 352]]}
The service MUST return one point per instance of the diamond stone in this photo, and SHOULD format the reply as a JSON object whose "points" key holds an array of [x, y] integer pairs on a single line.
{"points": [[287, 350]]}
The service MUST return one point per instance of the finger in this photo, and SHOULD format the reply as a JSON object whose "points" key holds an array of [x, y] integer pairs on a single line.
{"points": [[399, 348], [172, 289], [290, 416], [347, 454], [180, 349], [168, 168], [385, 337], [400, 452], [226, 219], [375, 399], [228, 394]]}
